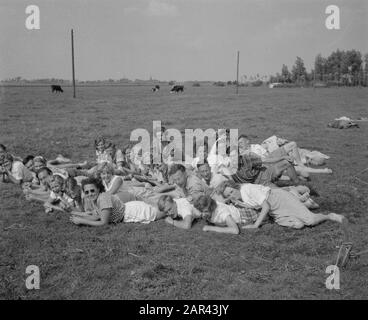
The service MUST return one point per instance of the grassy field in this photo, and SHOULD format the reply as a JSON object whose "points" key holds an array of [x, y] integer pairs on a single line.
{"points": [[156, 261]]}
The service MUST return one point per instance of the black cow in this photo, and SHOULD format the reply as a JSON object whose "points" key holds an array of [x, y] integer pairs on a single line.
{"points": [[177, 88], [156, 88], [56, 88]]}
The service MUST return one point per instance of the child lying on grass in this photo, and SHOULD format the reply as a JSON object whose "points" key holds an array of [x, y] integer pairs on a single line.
{"points": [[179, 212], [285, 208], [41, 191], [222, 217], [101, 208], [58, 198], [14, 171]]}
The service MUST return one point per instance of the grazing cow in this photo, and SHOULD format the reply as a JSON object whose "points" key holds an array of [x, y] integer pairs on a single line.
{"points": [[56, 88], [156, 88], [177, 88]]}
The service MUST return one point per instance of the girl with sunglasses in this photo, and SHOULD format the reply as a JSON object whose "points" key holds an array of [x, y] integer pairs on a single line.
{"points": [[101, 208]]}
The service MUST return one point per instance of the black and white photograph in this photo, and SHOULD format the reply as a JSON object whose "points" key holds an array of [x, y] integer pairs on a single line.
{"points": [[183, 154]]}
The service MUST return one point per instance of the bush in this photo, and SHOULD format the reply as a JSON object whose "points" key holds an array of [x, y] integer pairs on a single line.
{"points": [[257, 83], [219, 84]]}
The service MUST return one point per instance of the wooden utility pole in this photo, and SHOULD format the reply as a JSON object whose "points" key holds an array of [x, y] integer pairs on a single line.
{"points": [[73, 64], [237, 75]]}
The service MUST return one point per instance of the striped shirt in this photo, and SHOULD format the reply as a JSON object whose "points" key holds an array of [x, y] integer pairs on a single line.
{"points": [[106, 201]]}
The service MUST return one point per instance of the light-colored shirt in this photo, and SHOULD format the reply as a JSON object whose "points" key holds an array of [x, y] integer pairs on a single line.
{"points": [[254, 194], [186, 209], [20, 172], [259, 150]]}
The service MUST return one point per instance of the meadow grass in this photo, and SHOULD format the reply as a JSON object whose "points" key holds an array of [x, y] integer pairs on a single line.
{"points": [[158, 261]]}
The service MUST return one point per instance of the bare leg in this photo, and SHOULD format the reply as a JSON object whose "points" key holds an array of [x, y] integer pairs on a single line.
{"points": [[67, 165], [305, 170], [160, 215], [285, 166], [318, 218]]}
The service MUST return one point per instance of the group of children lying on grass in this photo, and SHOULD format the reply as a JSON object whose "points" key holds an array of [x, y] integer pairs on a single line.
{"points": [[270, 182]]}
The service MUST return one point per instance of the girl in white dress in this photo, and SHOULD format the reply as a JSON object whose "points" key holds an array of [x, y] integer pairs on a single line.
{"points": [[222, 217]]}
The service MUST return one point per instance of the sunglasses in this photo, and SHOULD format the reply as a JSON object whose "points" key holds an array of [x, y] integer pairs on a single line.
{"points": [[92, 191]]}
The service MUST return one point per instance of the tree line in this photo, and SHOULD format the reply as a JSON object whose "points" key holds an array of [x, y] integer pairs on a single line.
{"points": [[340, 68]]}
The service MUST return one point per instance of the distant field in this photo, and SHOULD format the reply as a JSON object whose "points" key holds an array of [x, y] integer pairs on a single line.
{"points": [[156, 261]]}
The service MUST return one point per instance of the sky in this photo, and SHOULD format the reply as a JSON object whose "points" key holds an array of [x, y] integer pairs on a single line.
{"points": [[173, 39]]}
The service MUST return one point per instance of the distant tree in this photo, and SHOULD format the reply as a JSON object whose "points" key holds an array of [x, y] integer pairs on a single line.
{"points": [[298, 72], [334, 65], [285, 74], [366, 69], [319, 67]]}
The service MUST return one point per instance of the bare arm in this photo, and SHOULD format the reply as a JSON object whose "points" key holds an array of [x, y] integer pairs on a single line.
{"points": [[102, 220], [85, 214], [186, 223], [116, 185], [48, 205], [11, 179], [231, 227], [164, 188]]}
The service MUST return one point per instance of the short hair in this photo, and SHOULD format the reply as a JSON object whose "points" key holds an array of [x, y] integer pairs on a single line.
{"points": [[48, 170], [27, 159], [200, 164], [163, 200], [105, 165], [95, 181], [243, 136], [175, 168]]}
